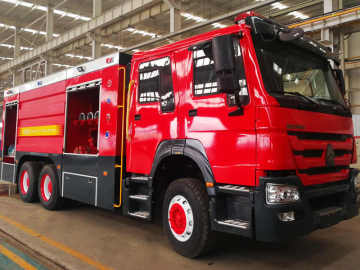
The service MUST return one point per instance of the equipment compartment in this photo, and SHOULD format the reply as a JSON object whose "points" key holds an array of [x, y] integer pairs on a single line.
{"points": [[82, 124]]}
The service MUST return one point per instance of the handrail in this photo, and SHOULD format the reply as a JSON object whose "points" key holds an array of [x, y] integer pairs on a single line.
{"points": [[121, 166]]}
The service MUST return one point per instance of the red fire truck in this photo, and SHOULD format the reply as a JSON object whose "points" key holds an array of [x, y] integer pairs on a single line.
{"points": [[241, 130]]}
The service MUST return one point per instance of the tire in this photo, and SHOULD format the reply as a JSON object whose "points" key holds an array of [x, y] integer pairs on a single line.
{"points": [[186, 217], [27, 181], [48, 188]]}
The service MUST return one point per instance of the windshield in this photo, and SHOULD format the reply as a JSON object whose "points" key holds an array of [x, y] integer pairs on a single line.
{"points": [[292, 72]]}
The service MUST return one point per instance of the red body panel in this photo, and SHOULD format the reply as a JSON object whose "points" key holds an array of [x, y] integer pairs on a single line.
{"points": [[44, 106], [272, 129], [154, 127], [229, 141]]}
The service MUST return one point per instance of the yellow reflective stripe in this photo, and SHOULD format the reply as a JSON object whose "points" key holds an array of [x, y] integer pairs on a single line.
{"points": [[50, 130], [16, 259]]}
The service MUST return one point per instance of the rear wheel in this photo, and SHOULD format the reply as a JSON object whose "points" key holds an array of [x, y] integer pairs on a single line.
{"points": [[186, 217], [27, 181], [48, 189]]}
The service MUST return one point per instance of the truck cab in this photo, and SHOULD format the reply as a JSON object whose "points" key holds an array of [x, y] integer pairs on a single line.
{"points": [[257, 112]]}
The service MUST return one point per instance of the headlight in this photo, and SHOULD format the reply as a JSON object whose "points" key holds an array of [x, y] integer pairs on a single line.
{"points": [[278, 194]]}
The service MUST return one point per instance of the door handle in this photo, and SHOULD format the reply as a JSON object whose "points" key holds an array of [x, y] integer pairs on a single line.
{"points": [[192, 113], [137, 117]]}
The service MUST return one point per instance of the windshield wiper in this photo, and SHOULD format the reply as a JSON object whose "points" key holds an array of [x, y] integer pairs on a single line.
{"points": [[334, 102], [301, 95]]}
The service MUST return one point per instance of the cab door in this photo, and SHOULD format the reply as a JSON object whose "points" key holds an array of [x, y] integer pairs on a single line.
{"points": [[213, 118], [153, 113]]}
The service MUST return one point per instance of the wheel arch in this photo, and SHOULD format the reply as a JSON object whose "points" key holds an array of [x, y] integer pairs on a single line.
{"points": [[177, 159]]}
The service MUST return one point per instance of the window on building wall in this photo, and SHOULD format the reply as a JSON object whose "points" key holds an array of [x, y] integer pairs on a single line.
{"points": [[155, 83]]}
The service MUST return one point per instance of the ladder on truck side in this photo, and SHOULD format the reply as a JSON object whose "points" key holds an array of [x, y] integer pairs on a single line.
{"points": [[135, 194]]}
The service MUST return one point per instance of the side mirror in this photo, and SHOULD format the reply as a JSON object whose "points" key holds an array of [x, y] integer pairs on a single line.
{"points": [[224, 63], [339, 77]]}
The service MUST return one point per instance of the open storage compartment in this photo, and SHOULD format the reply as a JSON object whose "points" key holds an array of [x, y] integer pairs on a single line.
{"points": [[82, 124], [10, 133]]}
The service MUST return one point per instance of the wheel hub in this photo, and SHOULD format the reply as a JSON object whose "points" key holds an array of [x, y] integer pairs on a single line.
{"points": [[181, 219], [24, 182], [46, 187], [177, 219]]}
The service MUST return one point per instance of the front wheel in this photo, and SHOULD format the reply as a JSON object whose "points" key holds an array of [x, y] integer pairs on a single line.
{"points": [[186, 217]]}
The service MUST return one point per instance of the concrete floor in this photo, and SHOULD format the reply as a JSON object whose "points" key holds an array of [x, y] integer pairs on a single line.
{"points": [[83, 237], [15, 256]]}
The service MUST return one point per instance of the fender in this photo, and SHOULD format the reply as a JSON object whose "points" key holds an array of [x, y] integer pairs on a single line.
{"points": [[190, 148]]}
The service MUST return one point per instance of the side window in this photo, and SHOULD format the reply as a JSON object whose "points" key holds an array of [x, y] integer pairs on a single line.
{"points": [[155, 83], [205, 80]]}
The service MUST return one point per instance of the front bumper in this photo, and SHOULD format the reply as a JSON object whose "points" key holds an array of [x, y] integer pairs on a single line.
{"points": [[320, 207]]}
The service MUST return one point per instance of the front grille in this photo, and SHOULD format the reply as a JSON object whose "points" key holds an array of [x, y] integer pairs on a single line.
{"points": [[342, 152], [279, 173], [319, 136], [319, 152], [323, 170], [309, 153]]}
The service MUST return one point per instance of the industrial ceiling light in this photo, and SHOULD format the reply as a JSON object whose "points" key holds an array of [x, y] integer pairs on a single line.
{"points": [[199, 19], [6, 58], [299, 15], [44, 9], [29, 30], [189, 16], [279, 6], [110, 46], [34, 32], [9, 46], [3, 25], [142, 32], [61, 65], [218, 25], [78, 56]]}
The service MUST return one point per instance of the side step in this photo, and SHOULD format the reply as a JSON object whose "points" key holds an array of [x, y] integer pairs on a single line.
{"points": [[240, 224], [138, 197], [140, 214], [232, 189]]}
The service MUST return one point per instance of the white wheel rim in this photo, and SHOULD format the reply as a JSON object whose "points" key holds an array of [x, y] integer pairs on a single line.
{"points": [[47, 192], [25, 182], [184, 204]]}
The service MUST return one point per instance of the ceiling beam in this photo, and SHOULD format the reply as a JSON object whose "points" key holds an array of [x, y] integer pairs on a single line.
{"points": [[296, 7], [128, 8], [200, 25], [115, 28]]}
